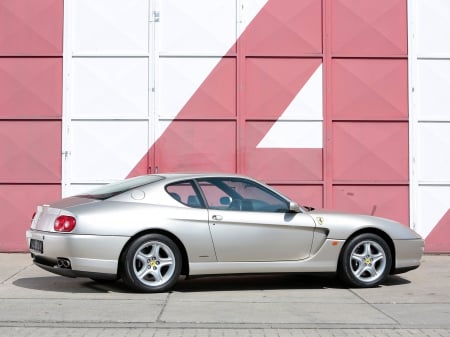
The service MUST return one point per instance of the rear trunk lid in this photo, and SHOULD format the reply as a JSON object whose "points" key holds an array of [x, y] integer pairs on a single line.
{"points": [[46, 215]]}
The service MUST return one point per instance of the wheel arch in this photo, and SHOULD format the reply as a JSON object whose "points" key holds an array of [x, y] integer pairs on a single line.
{"points": [[173, 237], [378, 232]]}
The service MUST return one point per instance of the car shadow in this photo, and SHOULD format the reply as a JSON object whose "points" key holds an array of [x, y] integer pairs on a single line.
{"points": [[70, 285], [257, 282], [270, 282], [200, 284]]}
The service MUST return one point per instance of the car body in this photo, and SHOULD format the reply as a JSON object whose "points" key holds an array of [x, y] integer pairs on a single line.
{"points": [[151, 229]]}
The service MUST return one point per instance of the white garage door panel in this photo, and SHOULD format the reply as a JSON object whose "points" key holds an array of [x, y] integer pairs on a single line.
{"points": [[432, 205], [294, 135], [110, 26], [110, 87], [434, 156], [105, 150], [180, 77], [197, 26], [433, 27], [433, 94]]}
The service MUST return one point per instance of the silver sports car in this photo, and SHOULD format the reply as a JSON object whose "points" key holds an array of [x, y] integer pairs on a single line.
{"points": [[149, 230]]}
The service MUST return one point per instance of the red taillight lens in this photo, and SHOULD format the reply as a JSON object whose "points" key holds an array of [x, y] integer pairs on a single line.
{"points": [[32, 217], [64, 223]]}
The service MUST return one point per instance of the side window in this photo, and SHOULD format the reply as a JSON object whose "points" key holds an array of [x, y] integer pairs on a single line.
{"points": [[215, 197], [239, 194], [185, 193]]}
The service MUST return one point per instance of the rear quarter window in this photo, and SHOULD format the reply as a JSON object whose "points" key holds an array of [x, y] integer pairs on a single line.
{"points": [[185, 193]]}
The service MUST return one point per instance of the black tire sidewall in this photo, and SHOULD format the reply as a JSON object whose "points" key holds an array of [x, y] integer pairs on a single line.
{"points": [[127, 261], [345, 272]]}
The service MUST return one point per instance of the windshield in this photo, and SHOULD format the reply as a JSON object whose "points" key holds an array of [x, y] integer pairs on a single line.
{"points": [[113, 189]]}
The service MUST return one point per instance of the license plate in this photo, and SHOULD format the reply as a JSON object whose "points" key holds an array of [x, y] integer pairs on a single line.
{"points": [[37, 245]]}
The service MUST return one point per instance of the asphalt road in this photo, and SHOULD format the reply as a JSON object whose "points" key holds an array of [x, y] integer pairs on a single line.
{"points": [[34, 302]]}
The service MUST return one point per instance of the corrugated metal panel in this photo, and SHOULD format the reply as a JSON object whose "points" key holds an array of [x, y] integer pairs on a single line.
{"points": [[31, 27], [30, 113], [31, 87], [309, 195], [370, 152], [31, 152], [197, 146], [375, 200], [369, 28], [292, 29], [271, 84], [369, 89]]}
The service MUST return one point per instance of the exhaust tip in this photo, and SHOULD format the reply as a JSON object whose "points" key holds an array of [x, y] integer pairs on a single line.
{"points": [[63, 263]]}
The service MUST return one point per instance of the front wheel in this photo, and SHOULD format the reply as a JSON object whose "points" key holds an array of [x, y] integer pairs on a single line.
{"points": [[365, 261], [151, 263]]}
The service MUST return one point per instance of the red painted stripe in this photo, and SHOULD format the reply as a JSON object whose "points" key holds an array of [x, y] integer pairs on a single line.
{"points": [[268, 88], [438, 240]]}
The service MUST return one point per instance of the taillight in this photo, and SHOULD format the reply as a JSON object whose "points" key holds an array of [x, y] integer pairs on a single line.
{"points": [[32, 217], [64, 223]]}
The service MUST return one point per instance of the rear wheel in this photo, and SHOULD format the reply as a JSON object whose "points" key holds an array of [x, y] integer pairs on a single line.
{"points": [[151, 263], [365, 261]]}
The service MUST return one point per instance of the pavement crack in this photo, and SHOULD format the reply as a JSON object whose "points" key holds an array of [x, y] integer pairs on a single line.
{"points": [[16, 273], [158, 319], [373, 306]]}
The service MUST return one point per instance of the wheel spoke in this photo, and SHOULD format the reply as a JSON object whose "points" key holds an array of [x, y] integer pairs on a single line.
{"points": [[155, 250], [168, 261], [367, 248], [372, 271], [377, 257], [143, 272], [358, 257], [157, 275], [142, 257], [360, 270]]}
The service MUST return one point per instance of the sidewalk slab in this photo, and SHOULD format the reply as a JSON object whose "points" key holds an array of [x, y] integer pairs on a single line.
{"points": [[274, 313]]}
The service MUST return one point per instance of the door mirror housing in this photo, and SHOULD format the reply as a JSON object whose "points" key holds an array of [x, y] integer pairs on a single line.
{"points": [[294, 207], [226, 201]]}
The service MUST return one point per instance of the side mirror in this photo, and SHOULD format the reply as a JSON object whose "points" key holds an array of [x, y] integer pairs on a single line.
{"points": [[226, 201], [294, 207]]}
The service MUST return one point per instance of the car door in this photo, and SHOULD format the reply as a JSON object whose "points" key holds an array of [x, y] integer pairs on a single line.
{"points": [[249, 222], [190, 224]]}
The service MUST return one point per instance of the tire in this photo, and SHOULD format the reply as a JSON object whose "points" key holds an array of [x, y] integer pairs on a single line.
{"points": [[151, 263], [365, 261]]}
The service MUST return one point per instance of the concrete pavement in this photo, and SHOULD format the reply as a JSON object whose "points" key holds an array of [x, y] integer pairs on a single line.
{"points": [[35, 302]]}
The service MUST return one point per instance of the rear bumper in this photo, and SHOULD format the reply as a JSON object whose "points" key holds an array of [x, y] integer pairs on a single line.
{"points": [[51, 266], [89, 255]]}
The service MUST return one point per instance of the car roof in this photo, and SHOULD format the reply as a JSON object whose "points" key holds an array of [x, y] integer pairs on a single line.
{"points": [[178, 176]]}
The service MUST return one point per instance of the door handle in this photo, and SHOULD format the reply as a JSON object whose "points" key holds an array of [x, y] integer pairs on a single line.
{"points": [[217, 217]]}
